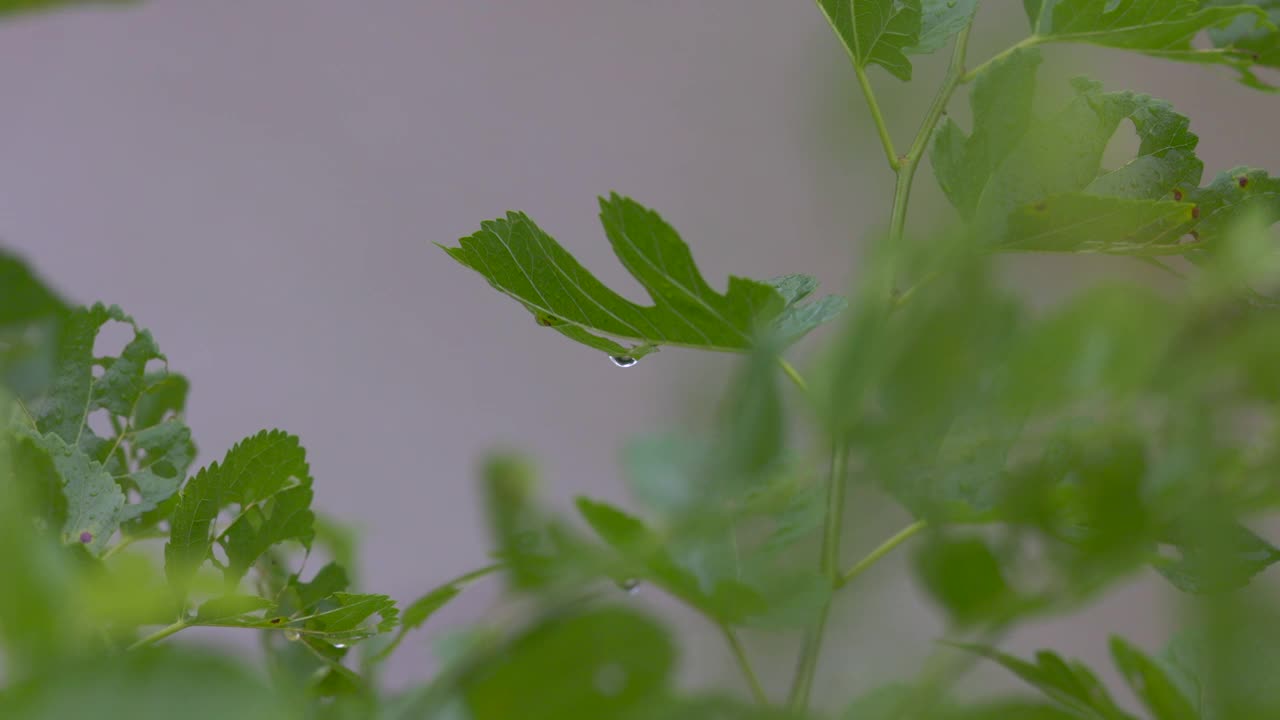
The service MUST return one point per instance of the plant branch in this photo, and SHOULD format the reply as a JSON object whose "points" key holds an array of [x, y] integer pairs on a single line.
{"points": [[802, 684], [159, 635], [740, 654], [885, 139], [885, 548]]}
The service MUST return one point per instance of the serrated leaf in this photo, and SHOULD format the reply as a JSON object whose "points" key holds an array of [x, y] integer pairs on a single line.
{"points": [[1162, 28], [348, 619], [1070, 684], [330, 579], [600, 663], [286, 515], [876, 32], [94, 503], [940, 19], [1151, 684], [255, 469], [522, 261]]}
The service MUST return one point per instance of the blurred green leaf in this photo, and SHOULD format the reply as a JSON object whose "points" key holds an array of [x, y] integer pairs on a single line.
{"points": [[599, 663], [1151, 684], [964, 576], [877, 32], [147, 685], [1072, 685], [1251, 38], [522, 261], [1162, 28]]}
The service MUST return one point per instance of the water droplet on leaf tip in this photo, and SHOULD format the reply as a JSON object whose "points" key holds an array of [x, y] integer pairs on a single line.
{"points": [[292, 635], [623, 360], [630, 585]]}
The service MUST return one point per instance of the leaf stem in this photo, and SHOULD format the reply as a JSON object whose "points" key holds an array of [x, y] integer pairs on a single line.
{"points": [[794, 374], [159, 635], [884, 548], [885, 139], [911, 161], [740, 654], [1026, 42], [802, 684]]}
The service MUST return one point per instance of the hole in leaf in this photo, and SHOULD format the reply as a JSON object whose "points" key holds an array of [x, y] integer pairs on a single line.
{"points": [[99, 421], [219, 554], [1122, 147], [112, 339], [155, 366], [97, 371]]}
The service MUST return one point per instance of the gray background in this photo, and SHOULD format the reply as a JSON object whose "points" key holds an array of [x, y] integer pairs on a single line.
{"points": [[259, 183]]}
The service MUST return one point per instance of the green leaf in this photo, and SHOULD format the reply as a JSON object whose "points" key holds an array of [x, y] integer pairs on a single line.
{"points": [[283, 516], [1217, 559], [964, 576], [421, 610], [330, 579], [601, 663], [18, 7], [519, 259], [1084, 223], [94, 503], [1255, 40], [877, 32], [1070, 684], [256, 469], [939, 21], [148, 685], [1151, 684], [1162, 28]]}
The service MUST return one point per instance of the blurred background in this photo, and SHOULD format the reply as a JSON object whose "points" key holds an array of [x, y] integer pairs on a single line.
{"points": [[260, 184]]}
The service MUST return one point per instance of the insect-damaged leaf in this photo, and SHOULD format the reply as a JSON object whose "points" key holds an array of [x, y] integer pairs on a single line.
{"points": [[1162, 28], [521, 260], [878, 32], [1257, 40], [268, 478]]}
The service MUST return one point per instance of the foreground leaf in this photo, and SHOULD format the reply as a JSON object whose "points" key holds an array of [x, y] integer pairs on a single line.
{"points": [[601, 663], [1151, 683], [521, 260], [1255, 39]]}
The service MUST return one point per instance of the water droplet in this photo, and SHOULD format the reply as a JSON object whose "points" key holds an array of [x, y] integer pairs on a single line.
{"points": [[610, 680], [340, 646], [623, 360], [292, 635], [630, 586], [86, 537]]}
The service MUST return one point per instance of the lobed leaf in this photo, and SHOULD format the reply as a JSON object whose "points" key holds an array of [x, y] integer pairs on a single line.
{"points": [[522, 261], [1072, 685], [1151, 683], [939, 20], [878, 32]]}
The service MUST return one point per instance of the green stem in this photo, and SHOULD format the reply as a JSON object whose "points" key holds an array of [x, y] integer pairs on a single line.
{"points": [[740, 654], [885, 139], [794, 374], [885, 548], [1024, 43], [911, 161], [160, 634], [802, 684]]}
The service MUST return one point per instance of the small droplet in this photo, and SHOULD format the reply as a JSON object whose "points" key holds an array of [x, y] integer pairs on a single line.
{"points": [[610, 680], [86, 537], [340, 646], [630, 586], [623, 360], [292, 635]]}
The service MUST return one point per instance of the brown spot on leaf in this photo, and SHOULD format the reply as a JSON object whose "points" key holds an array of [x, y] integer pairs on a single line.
{"points": [[1177, 196], [1195, 212], [1243, 182]]}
